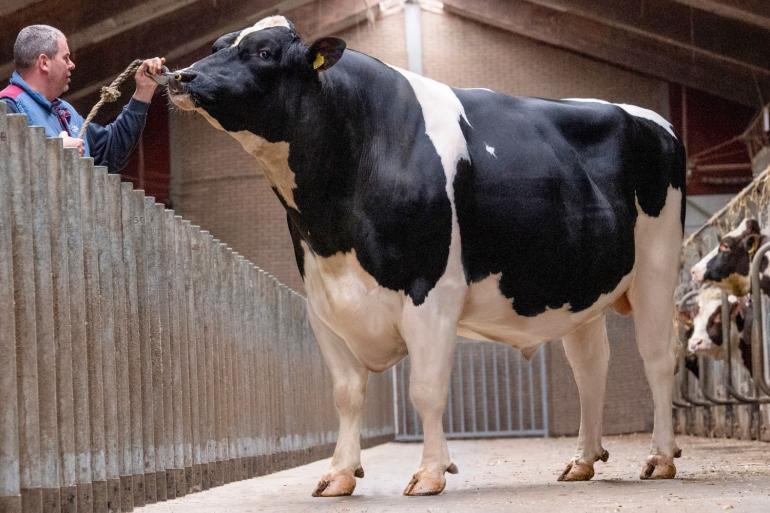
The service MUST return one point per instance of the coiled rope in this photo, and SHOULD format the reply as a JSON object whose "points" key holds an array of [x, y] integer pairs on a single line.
{"points": [[109, 94]]}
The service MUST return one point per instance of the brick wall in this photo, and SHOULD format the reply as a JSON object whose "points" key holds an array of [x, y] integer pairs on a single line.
{"points": [[465, 53]]}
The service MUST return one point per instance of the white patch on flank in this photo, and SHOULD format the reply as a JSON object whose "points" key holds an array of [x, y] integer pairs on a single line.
{"points": [[269, 22], [490, 150], [274, 158], [442, 111], [430, 329], [638, 112]]}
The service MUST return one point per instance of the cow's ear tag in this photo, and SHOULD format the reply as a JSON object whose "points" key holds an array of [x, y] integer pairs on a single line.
{"points": [[324, 53], [319, 60]]}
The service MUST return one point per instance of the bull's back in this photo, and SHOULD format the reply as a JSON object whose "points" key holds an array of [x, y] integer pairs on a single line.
{"points": [[547, 202]]}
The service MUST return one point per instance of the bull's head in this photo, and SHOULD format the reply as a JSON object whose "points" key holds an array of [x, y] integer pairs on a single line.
{"points": [[727, 266], [255, 78]]}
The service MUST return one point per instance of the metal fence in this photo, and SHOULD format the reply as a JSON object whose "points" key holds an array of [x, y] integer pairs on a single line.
{"points": [[494, 392], [724, 400], [140, 358]]}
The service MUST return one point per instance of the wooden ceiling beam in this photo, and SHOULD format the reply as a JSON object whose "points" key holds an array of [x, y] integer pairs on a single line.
{"points": [[114, 26], [755, 12], [66, 15], [630, 50], [673, 22]]}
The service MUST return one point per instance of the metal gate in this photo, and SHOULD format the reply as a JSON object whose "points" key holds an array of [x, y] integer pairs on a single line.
{"points": [[494, 392]]}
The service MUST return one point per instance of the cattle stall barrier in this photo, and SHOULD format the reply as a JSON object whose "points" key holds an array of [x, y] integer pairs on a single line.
{"points": [[725, 401], [141, 359], [494, 391]]}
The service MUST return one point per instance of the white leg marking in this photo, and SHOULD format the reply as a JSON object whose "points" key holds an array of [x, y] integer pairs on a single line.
{"points": [[588, 352], [652, 298], [349, 378], [430, 329], [430, 334]]}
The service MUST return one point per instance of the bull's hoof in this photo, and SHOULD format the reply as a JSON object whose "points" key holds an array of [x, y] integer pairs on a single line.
{"points": [[578, 470], [336, 485], [426, 483], [658, 467]]}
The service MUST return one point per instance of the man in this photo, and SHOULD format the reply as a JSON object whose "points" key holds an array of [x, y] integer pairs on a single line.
{"points": [[43, 69]]}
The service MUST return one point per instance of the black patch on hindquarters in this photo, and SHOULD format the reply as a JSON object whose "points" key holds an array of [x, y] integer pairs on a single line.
{"points": [[553, 210]]}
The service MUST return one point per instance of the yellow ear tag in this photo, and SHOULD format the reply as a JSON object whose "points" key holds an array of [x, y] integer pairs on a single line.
{"points": [[319, 61]]}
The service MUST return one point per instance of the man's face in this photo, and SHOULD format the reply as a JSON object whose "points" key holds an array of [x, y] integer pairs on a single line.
{"points": [[60, 67]]}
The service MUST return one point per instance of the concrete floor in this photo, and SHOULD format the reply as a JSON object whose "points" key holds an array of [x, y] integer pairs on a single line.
{"points": [[515, 475]]}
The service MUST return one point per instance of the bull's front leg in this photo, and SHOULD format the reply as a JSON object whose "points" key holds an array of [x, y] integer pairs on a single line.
{"points": [[349, 377], [431, 338]]}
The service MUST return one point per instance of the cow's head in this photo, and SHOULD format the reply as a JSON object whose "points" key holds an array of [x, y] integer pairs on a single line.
{"points": [[727, 266], [255, 79], [706, 334]]}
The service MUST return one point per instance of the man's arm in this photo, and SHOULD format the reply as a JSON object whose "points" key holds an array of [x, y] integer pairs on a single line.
{"points": [[113, 144], [11, 107]]}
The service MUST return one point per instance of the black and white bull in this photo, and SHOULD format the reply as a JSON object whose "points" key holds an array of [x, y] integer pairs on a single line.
{"points": [[727, 266], [419, 212]]}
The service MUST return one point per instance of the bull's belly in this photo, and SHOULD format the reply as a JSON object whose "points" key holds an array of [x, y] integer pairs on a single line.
{"points": [[489, 315], [367, 316]]}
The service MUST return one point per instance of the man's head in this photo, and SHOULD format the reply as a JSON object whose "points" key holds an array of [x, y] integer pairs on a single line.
{"points": [[42, 58]]}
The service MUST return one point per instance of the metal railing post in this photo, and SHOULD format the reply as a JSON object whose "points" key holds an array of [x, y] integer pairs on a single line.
{"points": [[757, 329], [726, 333]]}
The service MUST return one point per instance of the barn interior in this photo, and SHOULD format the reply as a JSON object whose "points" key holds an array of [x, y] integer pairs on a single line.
{"points": [[702, 64]]}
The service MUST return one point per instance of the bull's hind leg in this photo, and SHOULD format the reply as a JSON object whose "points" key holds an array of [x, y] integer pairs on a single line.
{"points": [[588, 352], [652, 300], [349, 378]]}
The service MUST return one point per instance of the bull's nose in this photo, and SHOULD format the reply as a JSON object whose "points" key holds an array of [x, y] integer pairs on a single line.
{"points": [[696, 345], [177, 81]]}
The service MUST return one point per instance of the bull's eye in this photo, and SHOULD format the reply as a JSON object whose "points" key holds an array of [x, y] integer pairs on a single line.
{"points": [[264, 54]]}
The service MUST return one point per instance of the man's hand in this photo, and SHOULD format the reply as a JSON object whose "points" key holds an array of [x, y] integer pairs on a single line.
{"points": [[72, 142], [145, 86]]}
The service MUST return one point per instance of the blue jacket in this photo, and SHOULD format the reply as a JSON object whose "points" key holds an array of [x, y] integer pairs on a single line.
{"points": [[109, 145]]}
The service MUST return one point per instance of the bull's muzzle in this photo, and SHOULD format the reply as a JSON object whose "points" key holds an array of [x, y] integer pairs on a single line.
{"points": [[177, 81]]}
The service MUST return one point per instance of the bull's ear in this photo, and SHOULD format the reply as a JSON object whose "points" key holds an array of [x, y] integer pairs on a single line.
{"points": [[224, 41], [751, 243], [324, 53]]}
